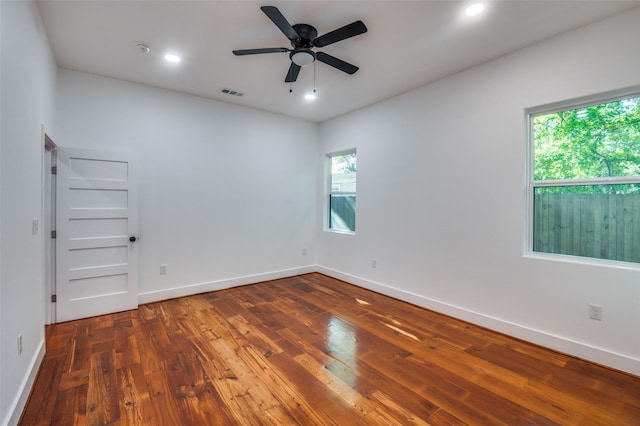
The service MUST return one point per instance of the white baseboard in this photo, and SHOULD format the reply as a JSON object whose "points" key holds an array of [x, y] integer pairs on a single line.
{"points": [[561, 344], [20, 400], [190, 289]]}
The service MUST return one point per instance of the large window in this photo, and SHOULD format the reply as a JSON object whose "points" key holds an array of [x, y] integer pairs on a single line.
{"points": [[584, 186], [342, 192]]}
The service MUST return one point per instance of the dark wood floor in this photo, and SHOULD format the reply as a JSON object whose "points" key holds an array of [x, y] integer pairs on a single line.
{"points": [[312, 350]]}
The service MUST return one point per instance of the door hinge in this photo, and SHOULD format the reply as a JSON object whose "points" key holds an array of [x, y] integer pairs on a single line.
{"points": [[54, 170], [54, 298], [54, 234]]}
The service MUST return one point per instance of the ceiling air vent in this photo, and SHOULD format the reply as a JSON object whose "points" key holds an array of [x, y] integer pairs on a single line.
{"points": [[232, 92]]}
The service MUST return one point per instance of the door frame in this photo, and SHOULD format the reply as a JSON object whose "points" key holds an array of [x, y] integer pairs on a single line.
{"points": [[48, 225]]}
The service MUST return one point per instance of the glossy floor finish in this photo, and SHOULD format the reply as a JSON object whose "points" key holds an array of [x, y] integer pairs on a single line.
{"points": [[312, 350]]}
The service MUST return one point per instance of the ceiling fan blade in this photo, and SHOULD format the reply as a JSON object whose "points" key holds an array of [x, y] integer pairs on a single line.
{"points": [[258, 51], [292, 74], [336, 63], [281, 22], [351, 30]]}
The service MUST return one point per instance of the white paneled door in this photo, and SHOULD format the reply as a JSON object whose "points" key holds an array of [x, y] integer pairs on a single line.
{"points": [[96, 232]]}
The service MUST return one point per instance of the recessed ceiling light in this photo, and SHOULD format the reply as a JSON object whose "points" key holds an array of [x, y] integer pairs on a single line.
{"points": [[143, 47], [172, 58], [310, 96], [474, 9]]}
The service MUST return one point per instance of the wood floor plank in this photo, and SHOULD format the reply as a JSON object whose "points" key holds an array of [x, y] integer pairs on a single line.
{"points": [[337, 411], [47, 389], [442, 418], [362, 378], [75, 378], [102, 399], [394, 412], [297, 403], [165, 407], [501, 381], [70, 408], [135, 408], [340, 389], [254, 335], [368, 382], [312, 350], [232, 392]]}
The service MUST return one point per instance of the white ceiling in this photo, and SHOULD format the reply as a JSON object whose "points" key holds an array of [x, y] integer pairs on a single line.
{"points": [[409, 44]]}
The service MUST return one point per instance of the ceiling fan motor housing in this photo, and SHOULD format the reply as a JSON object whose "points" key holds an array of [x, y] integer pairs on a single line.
{"points": [[307, 34]]}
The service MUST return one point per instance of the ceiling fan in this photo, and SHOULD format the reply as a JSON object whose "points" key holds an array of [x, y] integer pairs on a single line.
{"points": [[303, 39]]}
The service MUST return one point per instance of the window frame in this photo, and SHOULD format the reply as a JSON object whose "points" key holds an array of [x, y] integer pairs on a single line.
{"points": [[329, 192], [531, 184]]}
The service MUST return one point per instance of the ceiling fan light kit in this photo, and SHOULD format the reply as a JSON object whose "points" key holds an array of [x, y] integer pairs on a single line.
{"points": [[304, 38], [302, 57]]}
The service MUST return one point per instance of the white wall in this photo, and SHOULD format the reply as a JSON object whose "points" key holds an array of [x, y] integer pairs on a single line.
{"points": [[27, 86], [227, 194], [441, 192]]}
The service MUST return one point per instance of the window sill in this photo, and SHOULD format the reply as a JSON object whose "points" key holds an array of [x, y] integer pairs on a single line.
{"points": [[579, 260], [335, 231]]}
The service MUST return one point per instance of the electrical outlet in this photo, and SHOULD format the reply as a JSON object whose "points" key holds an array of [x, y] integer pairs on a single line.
{"points": [[374, 263], [304, 252], [163, 269], [595, 312], [20, 343], [34, 226]]}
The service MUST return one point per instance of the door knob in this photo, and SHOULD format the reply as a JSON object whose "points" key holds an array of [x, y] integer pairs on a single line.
{"points": [[132, 239]]}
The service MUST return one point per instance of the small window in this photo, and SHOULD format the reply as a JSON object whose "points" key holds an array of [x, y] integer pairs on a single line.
{"points": [[342, 194], [584, 189]]}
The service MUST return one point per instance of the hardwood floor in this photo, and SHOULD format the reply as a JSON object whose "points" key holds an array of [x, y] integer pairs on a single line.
{"points": [[312, 350]]}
